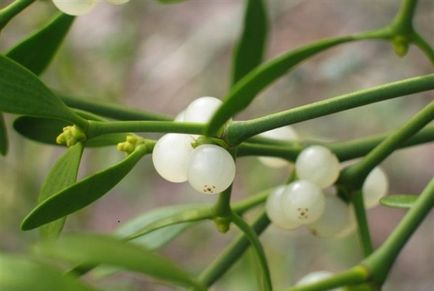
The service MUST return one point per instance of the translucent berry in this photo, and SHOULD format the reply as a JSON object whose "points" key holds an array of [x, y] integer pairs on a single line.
{"points": [[316, 277], [375, 187], [180, 117], [74, 7], [285, 133], [274, 209], [211, 169], [171, 156], [117, 2], [303, 202], [318, 165], [201, 109], [336, 219]]}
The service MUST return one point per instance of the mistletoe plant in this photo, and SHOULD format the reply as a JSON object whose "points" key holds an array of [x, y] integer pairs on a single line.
{"points": [[201, 146]]}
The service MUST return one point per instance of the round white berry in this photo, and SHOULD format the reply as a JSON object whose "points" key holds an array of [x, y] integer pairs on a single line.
{"points": [[316, 277], [318, 165], [74, 7], [375, 187], [274, 210], [211, 169], [117, 2], [286, 133], [303, 202], [336, 219], [171, 156], [201, 109]]}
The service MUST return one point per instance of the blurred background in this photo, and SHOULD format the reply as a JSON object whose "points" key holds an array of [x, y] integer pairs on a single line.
{"points": [[160, 57]]}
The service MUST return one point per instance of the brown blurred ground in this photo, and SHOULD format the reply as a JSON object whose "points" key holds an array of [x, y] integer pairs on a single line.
{"points": [[159, 58]]}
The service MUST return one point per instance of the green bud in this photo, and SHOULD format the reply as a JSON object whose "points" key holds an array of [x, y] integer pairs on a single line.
{"points": [[70, 136], [400, 45]]}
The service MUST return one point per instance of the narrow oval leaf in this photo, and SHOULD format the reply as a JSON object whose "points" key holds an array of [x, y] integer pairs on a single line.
{"points": [[251, 47], [81, 194], [399, 201], [105, 250], [21, 92], [45, 130], [153, 226], [3, 136], [19, 274], [245, 90], [63, 174], [36, 51]]}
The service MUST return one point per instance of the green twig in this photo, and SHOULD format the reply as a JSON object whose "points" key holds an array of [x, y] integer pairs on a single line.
{"points": [[257, 246], [10, 11], [354, 175], [239, 131], [362, 224], [232, 253], [382, 260]]}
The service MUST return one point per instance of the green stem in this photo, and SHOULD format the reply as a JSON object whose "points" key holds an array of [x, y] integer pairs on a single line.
{"points": [[98, 128], [384, 257], [354, 175], [111, 110], [424, 46], [10, 11], [403, 22], [362, 223], [347, 150], [253, 201], [231, 253], [222, 210], [257, 246], [353, 276], [239, 131]]}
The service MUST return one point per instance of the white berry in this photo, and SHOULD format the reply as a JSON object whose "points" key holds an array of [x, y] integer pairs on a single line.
{"points": [[375, 187], [318, 165], [74, 7], [211, 169], [274, 209], [286, 133], [316, 277], [117, 2], [171, 156], [336, 219], [201, 109], [303, 202]]}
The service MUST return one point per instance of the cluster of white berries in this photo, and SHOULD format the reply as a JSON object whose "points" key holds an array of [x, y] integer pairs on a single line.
{"points": [[304, 202], [80, 7], [209, 168]]}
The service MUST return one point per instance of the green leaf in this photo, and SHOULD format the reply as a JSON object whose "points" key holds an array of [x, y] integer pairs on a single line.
{"points": [[20, 274], [250, 50], [21, 92], [161, 225], [97, 249], [3, 136], [245, 90], [63, 174], [170, 1], [81, 194], [36, 51], [46, 130], [399, 201]]}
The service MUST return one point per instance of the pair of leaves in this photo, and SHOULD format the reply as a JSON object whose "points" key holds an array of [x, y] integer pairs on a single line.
{"points": [[81, 194], [35, 53], [105, 250], [19, 273]]}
